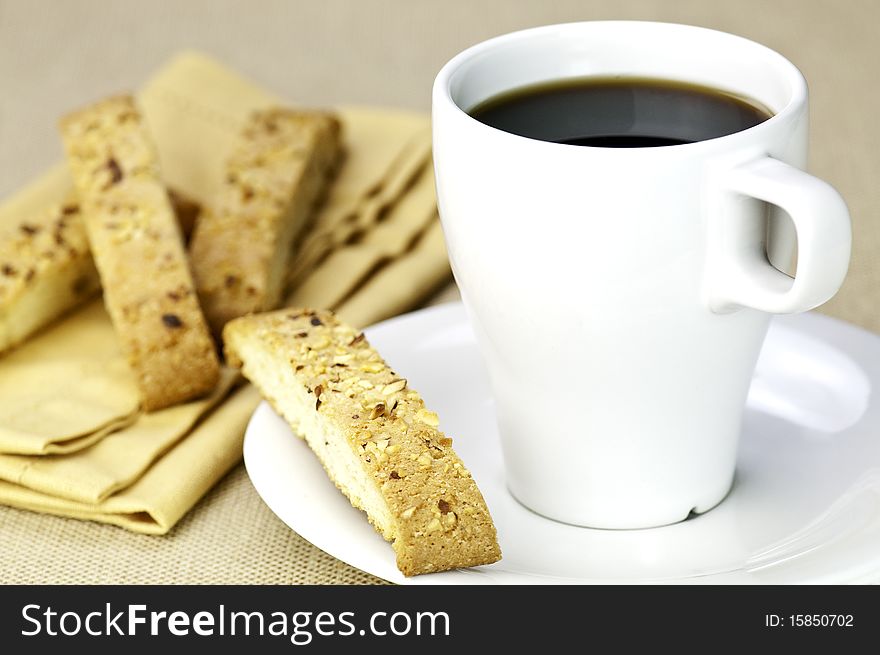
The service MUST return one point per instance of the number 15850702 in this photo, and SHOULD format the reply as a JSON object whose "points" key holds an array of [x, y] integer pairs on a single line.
{"points": [[809, 621]]}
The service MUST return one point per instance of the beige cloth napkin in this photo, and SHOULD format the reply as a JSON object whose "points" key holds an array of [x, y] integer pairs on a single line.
{"points": [[72, 438]]}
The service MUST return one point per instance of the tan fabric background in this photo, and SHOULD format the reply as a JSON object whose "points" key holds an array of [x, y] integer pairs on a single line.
{"points": [[58, 55]]}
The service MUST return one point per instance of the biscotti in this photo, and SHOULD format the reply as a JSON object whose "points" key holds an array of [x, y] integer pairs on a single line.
{"points": [[241, 247], [138, 250], [46, 267], [373, 434]]}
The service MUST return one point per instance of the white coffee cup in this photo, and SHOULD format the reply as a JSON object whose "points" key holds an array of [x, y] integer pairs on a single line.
{"points": [[620, 296]]}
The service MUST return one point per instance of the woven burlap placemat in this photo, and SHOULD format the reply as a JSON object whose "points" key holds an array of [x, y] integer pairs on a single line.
{"points": [[230, 537]]}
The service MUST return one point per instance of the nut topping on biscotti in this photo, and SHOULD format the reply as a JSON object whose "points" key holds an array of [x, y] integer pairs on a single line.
{"points": [[241, 246], [45, 270], [137, 246], [372, 432]]}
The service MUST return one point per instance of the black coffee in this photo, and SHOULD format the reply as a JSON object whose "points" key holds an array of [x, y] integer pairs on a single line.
{"points": [[619, 112]]}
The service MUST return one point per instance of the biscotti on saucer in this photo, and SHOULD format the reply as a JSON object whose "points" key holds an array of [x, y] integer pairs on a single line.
{"points": [[138, 249], [241, 247], [376, 439]]}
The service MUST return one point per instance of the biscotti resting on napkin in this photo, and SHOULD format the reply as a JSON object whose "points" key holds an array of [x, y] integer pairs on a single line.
{"points": [[242, 244], [138, 249], [46, 266]]}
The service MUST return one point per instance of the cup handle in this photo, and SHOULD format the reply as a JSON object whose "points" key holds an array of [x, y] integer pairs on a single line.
{"points": [[739, 273]]}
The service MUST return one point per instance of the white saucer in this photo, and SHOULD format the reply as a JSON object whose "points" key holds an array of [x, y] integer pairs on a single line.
{"points": [[805, 506]]}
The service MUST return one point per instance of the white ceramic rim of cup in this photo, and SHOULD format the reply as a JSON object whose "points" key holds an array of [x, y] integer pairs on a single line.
{"points": [[450, 75]]}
